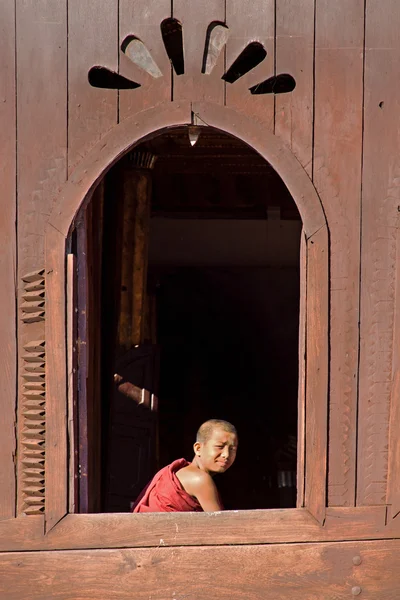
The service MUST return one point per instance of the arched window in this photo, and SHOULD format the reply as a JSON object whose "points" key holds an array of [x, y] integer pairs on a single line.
{"points": [[187, 271]]}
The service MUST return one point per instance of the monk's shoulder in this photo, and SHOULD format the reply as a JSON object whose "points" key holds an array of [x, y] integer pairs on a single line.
{"points": [[193, 478]]}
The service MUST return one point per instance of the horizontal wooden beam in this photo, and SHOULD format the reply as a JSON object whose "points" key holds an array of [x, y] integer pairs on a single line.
{"points": [[124, 530], [297, 571]]}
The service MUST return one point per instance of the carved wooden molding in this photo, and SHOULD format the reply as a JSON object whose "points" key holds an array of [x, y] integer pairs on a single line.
{"points": [[33, 400]]}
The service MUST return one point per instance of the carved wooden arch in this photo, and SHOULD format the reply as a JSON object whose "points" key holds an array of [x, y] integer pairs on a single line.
{"points": [[85, 177]]}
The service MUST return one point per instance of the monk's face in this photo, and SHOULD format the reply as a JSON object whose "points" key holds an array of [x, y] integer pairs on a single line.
{"points": [[218, 453]]}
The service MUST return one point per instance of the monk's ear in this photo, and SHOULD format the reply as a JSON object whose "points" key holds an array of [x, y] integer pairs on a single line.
{"points": [[197, 448]]}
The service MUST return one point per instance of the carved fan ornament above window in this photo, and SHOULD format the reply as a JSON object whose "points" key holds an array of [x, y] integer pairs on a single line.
{"points": [[172, 35]]}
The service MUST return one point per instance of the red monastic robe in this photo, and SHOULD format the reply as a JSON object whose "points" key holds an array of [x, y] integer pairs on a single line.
{"points": [[165, 493]]}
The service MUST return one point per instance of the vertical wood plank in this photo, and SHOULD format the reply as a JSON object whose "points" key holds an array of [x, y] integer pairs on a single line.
{"points": [[8, 260], [195, 19], [94, 229], [295, 56], [251, 22], [84, 317], [140, 255], [317, 352], [301, 411], [337, 177], [71, 370], [92, 41], [136, 19], [393, 488], [56, 381], [380, 201], [42, 140]]}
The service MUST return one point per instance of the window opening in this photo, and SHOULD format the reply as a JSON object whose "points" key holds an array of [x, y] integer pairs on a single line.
{"points": [[196, 319], [101, 77], [249, 58], [171, 31], [280, 84], [140, 56], [216, 38]]}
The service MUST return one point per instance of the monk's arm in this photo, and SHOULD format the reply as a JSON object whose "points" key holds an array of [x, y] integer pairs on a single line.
{"points": [[201, 486]]}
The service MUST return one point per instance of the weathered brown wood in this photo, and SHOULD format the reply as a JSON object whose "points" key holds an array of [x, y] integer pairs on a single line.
{"points": [[92, 41], [332, 571], [7, 260], [135, 19], [301, 414], [125, 530], [337, 177], [56, 381], [295, 56], [195, 21], [317, 352], [140, 255], [380, 201], [255, 24], [41, 154], [393, 487], [16, 533], [71, 370]]}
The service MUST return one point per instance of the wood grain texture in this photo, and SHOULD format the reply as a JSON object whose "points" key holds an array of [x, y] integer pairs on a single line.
{"points": [[195, 19], [380, 201], [56, 380], [337, 177], [8, 266], [301, 411], [92, 41], [41, 83], [125, 530], [299, 571], [32, 423], [393, 485], [294, 54], [254, 24], [136, 19], [317, 353], [71, 384]]}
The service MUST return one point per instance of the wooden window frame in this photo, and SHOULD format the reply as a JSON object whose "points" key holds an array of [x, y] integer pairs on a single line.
{"points": [[279, 525]]}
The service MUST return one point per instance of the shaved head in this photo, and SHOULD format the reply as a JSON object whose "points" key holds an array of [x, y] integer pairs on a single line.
{"points": [[206, 430]]}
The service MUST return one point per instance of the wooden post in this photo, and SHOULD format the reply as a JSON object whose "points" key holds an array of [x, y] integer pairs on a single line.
{"points": [[136, 190]]}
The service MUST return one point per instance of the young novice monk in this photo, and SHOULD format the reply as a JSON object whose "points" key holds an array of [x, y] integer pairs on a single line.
{"points": [[183, 486]]}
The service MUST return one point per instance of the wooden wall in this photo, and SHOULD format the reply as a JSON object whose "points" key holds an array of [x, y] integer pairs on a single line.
{"points": [[341, 123]]}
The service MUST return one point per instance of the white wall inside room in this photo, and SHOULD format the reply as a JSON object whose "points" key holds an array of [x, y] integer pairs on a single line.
{"points": [[222, 242]]}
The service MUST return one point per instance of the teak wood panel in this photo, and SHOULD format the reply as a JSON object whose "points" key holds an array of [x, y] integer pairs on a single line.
{"points": [[124, 530], [195, 19], [316, 384], [330, 571], [135, 19], [92, 41], [337, 177], [8, 381], [41, 150], [301, 393], [255, 24], [379, 256], [294, 54]]}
